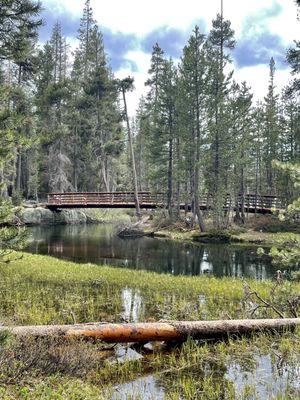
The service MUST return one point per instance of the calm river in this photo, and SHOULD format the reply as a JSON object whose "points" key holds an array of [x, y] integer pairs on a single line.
{"points": [[99, 244]]}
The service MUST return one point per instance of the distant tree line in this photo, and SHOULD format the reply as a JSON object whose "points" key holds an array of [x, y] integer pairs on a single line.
{"points": [[64, 124]]}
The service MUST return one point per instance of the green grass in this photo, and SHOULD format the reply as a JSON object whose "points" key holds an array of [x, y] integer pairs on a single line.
{"points": [[104, 216], [44, 290]]}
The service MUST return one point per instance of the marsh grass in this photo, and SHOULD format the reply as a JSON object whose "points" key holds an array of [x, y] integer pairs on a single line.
{"points": [[44, 290], [230, 370]]}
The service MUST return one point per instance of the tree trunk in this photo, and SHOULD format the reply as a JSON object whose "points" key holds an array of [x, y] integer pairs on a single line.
{"points": [[243, 195], [170, 178], [19, 170], [196, 180], [144, 332], [135, 182]]}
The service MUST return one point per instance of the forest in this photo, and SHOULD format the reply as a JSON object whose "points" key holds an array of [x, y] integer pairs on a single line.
{"points": [[197, 131]]}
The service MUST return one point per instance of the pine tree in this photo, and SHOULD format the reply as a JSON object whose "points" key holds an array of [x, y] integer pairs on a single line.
{"points": [[95, 118], [141, 129], [220, 40], [293, 58], [18, 31], [241, 132], [160, 105], [155, 151], [124, 86], [193, 70], [271, 130], [19, 21], [257, 149], [53, 92]]}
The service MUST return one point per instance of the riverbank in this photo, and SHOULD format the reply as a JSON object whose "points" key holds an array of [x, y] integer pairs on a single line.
{"points": [[45, 290], [264, 231], [265, 239], [35, 215]]}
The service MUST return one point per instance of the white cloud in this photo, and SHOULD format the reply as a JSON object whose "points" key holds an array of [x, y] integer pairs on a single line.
{"points": [[257, 77], [141, 16], [142, 61]]}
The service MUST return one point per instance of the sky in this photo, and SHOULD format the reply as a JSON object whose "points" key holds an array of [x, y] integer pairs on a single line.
{"points": [[263, 29]]}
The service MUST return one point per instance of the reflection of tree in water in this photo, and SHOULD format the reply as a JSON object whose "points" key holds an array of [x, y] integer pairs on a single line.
{"points": [[238, 262], [133, 307], [99, 244]]}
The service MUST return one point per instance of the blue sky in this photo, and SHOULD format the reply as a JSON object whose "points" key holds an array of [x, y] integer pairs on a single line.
{"points": [[264, 28]]}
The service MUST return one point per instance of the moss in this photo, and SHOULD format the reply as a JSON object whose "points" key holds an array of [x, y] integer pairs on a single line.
{"points": [[212, 237]]}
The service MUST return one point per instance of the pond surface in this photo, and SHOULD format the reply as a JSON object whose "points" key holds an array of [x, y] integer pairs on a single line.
{"points": [[99, 244], [265, 378]]}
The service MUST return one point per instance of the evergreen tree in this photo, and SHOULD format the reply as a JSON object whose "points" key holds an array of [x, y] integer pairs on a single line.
{"points": [[271, 130], [193, 71], [141, 129], [220, 41], [53, 92], [293, 58], [124, 86], [161, 112], [241, 133], [155, 151], [19, 21], [18, 31]]}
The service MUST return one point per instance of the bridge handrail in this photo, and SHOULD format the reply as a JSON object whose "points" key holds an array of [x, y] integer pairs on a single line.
{"points": [[250, 200]]}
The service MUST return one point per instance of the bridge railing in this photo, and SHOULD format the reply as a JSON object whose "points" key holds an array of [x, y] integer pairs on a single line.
{"points": [[261, 202], [103, 198], [115, 199], [249, 201]]}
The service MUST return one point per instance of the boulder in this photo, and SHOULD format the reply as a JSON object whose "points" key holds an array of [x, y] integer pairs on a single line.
{"points": [[69, 217], [43, 216], [36, 216]]}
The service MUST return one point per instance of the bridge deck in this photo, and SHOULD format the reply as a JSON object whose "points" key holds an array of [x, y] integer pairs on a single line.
{"points": [[252, 203]]}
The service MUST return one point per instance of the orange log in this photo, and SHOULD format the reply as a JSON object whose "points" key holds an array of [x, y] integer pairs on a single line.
{"points": [[162, 331]]}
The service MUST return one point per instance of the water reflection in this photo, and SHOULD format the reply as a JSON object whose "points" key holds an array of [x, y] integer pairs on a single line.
{"points": [[99, 244], [132, 305], [261, 379], [266, 376], [145, 388]]}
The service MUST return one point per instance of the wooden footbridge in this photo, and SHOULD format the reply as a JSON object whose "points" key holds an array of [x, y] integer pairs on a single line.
{"points": [[147, 200]]}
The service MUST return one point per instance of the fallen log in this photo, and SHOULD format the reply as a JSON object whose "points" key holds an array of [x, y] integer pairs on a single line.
{"points": [[152, 331]]}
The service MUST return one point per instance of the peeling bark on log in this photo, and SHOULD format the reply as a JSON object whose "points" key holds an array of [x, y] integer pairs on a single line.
{"points": [[162, 331]]}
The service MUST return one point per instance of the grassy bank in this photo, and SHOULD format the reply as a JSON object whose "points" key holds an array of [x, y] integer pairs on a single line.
{"points": [[268, 239], [44, 290], [266, 230]]}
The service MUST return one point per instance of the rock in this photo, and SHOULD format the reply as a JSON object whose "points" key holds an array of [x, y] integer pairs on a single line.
{"points": [[69, 217], [43, 216], [36, 216]]}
